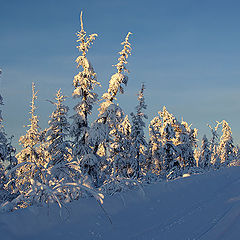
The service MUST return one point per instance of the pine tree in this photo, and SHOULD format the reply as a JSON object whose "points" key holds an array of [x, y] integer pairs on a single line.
{"points": [[154, 153], [204, 160], [139, 143], [84, 83], [3, 154], [236, 161], [170, 153], [171, 145], [120, 151], [109, 112], [214, 143], [105, 129], [162, 153], [58, 148], [226, 146], [29, 166], [7, 160], [3, 138], [185, 141]]}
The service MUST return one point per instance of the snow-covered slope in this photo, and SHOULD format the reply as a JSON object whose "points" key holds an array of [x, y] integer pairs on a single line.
{"points": [[196, 207]]}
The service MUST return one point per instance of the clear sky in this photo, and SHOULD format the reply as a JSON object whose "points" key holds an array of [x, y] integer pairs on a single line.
{"points": [[187, 52]]}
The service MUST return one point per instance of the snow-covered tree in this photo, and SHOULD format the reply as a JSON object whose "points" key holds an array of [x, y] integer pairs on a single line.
{"points": [[5, 147], [109, 132], [123, 166], [162, 153], [170, 153], [236, 161], [84, 83], [154, 152], [226, 147], [109, 112], [185, 141], [139, 144], [3, 138], [29, 167], [106, 128], [3, 153], [7, 159], [171, 145], [58, 147], [214, 143], [204, 160]]}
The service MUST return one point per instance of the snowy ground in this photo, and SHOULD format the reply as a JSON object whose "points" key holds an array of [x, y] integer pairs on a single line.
{"points": [[196, 207]]}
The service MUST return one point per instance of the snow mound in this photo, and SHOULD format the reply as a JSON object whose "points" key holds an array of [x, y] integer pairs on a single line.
{"points": [[205, 207]]}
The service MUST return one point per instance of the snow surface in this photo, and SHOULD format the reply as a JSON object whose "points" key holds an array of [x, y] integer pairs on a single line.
{"points": [[197, 207]]}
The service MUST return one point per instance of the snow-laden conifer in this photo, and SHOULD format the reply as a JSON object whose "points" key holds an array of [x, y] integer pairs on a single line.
{"points": [[162, 152], [171, 145], [139, 144], [84, 83], [154, 152], [204, 160], [105, 129], [185, 141], [226, 147], [236, 161], [3, 154], [170, 153], [119, 152], [58, 147], [29, 167], [7, 160], [214, 143], [108, 111], [112, 124]]}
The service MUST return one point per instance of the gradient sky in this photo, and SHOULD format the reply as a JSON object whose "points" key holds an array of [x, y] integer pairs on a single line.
{"points": [[187, 52]]}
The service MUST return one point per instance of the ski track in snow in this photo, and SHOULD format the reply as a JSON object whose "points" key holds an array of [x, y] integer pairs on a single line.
{"points": [[201, 207], [155, 232]]}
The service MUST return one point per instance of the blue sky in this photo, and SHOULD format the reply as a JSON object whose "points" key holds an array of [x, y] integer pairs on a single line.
{"points": [[187, 52]]}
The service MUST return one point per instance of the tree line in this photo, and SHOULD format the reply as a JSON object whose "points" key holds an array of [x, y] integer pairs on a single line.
{"points": [[74, 158]]}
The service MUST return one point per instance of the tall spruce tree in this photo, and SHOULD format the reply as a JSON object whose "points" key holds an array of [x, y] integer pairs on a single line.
{"points": [[162, 152], [7, 160], [29, 166], [204, 160], [139, 144], [120, 150], [58, 147], [170, 153], [154, 152], [84, 83], [185, 141], [226, 146], [214, 143], [106, 133]]}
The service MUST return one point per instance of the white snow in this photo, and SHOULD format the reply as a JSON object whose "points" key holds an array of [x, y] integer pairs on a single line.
{"points": [[186, 175], [205, 207]]}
